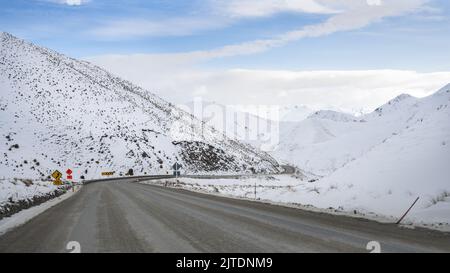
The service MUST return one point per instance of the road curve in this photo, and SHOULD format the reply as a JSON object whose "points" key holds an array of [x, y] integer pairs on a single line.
{"points": [[123, 216]]}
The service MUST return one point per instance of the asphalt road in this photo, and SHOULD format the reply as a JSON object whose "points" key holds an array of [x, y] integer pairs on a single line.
{"points": [[122, 216]]}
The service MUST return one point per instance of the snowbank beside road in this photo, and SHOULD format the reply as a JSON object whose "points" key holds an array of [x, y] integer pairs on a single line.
{"points": [[19, 194], [382, 203], [26, 215]]}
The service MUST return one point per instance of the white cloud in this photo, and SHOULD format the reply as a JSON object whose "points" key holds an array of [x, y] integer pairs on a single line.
{"points": [[259, 8], [175, 78], [344, 15], [220, 13], [127, 28], [73, 2], [70, 2], [355, 14]]}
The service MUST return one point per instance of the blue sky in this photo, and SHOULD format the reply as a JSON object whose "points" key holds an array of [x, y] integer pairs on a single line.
{"points": [[417, 40], [214, 41]]}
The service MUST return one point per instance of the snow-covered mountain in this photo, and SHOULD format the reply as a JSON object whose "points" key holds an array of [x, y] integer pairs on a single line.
{"points": [[334, 116], [378, 162], [237, 123], [59, 113], [327, 141], [373, 166], [263, 128], [295, 113], [411, 159]]}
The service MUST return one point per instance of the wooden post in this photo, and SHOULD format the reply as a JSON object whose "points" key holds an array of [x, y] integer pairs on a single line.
{"points": [[398, 222]]}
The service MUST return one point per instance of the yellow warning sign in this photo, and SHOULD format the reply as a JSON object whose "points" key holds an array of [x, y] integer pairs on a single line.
{"points": [[107, 173], [57, 175], [57, 182]]}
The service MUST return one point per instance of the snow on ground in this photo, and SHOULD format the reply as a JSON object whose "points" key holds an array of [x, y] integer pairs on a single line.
{"points": [[381, 202], [22, 217], [23, 199], [14, 190], [20, 194]]}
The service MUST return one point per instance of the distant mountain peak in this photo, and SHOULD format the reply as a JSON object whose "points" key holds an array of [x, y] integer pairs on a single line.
{"points": [[401, 97], [333, 115], [396, 103], [445, 89]]}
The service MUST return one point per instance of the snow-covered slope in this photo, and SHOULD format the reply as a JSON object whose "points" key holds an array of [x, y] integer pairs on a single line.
{"points": [[237, 123], [295, 113], [412, 161], [315, 144], [334, 116], [58, 112], [328, 140], [381, 161], [372, 166]]}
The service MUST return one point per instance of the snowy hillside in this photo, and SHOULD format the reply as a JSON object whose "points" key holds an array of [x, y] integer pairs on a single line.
{"points": [[238, 123], [262, 127], [411, 161], [295, 113], [334, 116], [373, 166], [328, 140], [379, 162], [315, 144], [59, 113]]}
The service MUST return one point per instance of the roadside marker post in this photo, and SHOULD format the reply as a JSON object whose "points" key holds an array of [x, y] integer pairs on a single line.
{"points": [[404, 215], [176, 169]]}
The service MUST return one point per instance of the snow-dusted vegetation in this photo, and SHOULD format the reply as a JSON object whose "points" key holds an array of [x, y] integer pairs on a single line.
{"points": [[18, 194]]}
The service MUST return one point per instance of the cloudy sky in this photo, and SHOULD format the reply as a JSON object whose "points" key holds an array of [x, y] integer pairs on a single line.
{"points": [[350, 54]]}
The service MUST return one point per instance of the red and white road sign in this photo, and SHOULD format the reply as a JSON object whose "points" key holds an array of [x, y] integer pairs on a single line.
{"points": [[69, 174]]}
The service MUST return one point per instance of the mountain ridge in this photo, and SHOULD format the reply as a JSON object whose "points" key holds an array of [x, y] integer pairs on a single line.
{"points": [[325, 145], [95, 120]]}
